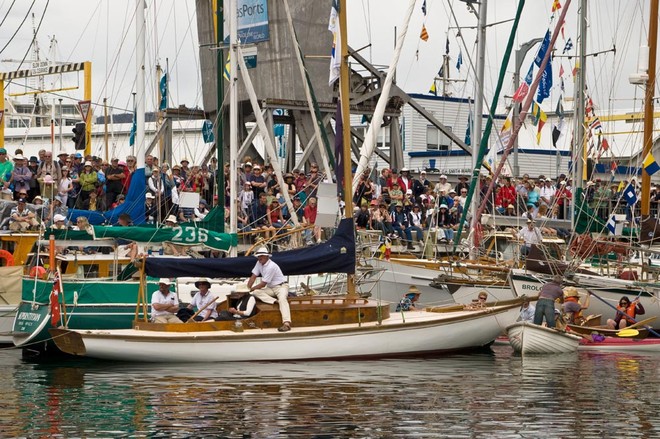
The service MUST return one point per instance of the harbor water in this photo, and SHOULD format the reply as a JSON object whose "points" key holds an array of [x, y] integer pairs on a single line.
{"points": [[492, 394]]}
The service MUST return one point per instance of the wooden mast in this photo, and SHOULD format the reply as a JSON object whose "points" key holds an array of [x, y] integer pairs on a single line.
{"points": [[648, 107], [344, 99]]}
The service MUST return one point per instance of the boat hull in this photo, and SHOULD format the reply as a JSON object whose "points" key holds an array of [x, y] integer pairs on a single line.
{"points": [[530, 339], [619, 344], [403, 334]]}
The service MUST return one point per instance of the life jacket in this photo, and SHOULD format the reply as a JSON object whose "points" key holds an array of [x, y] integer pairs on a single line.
{"points": [[628, 311], [577, 315]]}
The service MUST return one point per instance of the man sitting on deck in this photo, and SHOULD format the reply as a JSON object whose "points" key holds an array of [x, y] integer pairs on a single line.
{"points": [[164, 304], [272, 286]]}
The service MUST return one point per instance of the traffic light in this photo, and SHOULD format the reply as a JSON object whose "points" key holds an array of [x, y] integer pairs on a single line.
{"points": [[80, 136]]}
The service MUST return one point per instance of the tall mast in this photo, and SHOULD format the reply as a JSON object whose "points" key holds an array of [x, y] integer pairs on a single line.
{"points": [[233, 120], [648, 107], [140, 83], [579, 119]]}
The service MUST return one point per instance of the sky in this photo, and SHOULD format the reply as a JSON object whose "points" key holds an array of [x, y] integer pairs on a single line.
{"points": [[102, 32]]}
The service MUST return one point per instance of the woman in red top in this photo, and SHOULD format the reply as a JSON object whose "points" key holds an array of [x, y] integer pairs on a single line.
{"points": [[563, 197], [309, 218], [275, 214]]}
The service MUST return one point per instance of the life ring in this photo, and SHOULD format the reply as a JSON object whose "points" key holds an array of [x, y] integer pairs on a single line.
{"points": [[8, 257], [38, 271]]}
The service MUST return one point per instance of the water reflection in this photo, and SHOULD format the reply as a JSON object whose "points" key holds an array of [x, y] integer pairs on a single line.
{"points": [[480, 395]]}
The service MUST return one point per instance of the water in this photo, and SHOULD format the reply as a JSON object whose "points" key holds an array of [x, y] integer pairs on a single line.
{"points": [[492, 394]]}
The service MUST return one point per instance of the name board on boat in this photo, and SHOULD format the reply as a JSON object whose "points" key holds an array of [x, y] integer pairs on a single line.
{"points": [[252, 21]]}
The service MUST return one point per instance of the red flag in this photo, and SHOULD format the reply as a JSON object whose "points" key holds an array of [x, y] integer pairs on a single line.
{"points": [[55, 302], [561, 70], [604, 144], [520, 94], [556, 5]]}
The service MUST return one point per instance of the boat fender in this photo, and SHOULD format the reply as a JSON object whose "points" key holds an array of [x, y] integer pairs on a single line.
{"points": [[8, 257]]}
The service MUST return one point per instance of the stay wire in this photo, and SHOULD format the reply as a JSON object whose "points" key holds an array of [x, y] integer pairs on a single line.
{"points": [[27, 14]]}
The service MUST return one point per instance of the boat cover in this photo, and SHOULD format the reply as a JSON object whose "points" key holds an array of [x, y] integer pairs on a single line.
{"points": [[337, 255]]}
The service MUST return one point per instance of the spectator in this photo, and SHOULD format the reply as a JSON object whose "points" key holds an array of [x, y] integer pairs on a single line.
{"points": [[309, 218], [21, 175], [88, 182]]}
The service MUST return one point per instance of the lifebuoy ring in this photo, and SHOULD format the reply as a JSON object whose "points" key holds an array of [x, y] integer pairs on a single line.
{"points": [[8, 257]]}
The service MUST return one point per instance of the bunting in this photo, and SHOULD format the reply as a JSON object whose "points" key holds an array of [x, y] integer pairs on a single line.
{"points": [[226, 71], [568, 46], [543, 49], [424, 35], [424, 8], [555, 5], [629, 194], [433, 90], [542, 119], [506, 132], [545, 84], [650, 165], [611, 225]]}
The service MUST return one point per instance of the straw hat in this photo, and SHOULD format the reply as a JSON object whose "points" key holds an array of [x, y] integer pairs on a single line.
{"points": [[170, 219], [413, 289], [202, 280], [571, 292], [262, 251]]}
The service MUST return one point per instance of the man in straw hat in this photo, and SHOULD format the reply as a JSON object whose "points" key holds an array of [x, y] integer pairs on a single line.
{"points": [[545, 307], [272, 286], [407, 303], [243, 304], [572, 306], [164, 304], [204, 300]]}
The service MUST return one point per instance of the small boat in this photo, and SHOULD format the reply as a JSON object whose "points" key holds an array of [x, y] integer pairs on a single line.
{"points": [[324, 328], [619, 344], [528, 338]]}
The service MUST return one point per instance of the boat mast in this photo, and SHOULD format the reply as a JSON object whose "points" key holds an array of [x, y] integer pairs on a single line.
{"points": [[344, 99], [233, 120], [477, 118], [648, 107], [579, 148], [140, 26]]}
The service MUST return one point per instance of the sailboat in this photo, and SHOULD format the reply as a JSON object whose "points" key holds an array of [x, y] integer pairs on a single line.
{"points": [[324, 327]]}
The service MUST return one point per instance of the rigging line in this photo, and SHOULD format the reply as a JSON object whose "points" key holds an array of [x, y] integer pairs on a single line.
{"points": [[27, 14], [34, 37], [7, 14]]}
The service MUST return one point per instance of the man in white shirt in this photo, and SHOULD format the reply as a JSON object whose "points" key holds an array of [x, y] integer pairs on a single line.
{"points": [[547, 192], [531, 235], [204, 300], [443, 184], [164, 304], [273, 285]]}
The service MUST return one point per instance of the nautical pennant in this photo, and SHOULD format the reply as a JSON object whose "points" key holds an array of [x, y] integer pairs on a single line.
{"points": [[163, 93], [424, 7], [555, 6], [226, 72], [560, 108], [433, 90], [542, 119], [441, 72], [447, 47], [536, 113], [459, 61], [335, 53], [595, 124], [544, 48], [546, 83], [629, 194], [650, 165], [523, 89], [131, 139], [611, 225], [568, 46], [506, 131], [468, 130], [424, 35]]}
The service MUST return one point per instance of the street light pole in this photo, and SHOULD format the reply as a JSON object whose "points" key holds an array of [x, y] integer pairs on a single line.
{"points": [[519, 58]]}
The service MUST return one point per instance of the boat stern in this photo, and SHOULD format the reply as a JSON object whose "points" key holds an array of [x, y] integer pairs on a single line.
{"points": [[69, 342]]}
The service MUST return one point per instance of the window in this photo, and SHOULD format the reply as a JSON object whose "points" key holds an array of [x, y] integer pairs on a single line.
{"points": [[436, 140]]}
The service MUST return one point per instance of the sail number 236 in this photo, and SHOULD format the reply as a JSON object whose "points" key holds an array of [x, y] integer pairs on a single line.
{"points": [[189, 234]]}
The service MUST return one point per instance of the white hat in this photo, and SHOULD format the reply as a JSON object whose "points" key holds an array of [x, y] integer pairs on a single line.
{"points": [[170, 219], [590, 183], [165, 281], [19, 157], [405, 170], [150, 195], [409, 192], [88, 163], [202, 280], [443, 176], [59, 217], [444, 206], [422, 172], [262, 251], [562, 182]]}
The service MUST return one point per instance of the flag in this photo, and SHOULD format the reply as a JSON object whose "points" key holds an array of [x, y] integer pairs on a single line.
{"points": [[433, 90], [568, 46], [556, 5], [561, 70], [468, 130], [441, 72], [424, 35], [650, 165], [575, 69], [339, 148], [589, 107], [613, 168], [459, 61], [335, 54], [556, 132], [629, 194], [545, 84], [55, 301], [447, 47], [595, 124], [424, 8], [131, 139], [542, 119], [537, 113], [562, 87], [226, 72], [605, 144], [523, 89], [163, 93], [611, 225], [543, 49], [560, 109], [506, 132]]}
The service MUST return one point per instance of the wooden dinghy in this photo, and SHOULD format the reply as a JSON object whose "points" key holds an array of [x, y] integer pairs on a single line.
{"points": [[603, 330], [527, 338]]}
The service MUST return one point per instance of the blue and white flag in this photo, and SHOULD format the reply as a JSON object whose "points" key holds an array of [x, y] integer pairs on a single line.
{"points": [[568, 46], [163, 93], [335, 54], [459, 61], [611, 225], [629, 195], [545, 84], [207, 132], [543, 49], [468, 130]]}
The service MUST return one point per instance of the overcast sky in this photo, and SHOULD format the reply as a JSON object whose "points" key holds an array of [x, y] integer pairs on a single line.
{"points": [[103, 32]]}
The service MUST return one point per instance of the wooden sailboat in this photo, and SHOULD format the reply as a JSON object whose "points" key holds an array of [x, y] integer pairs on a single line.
{"points": [[323, 327]]}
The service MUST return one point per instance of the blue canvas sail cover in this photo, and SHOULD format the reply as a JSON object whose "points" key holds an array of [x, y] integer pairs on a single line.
{"points": [[133, 205], [337, 255]]}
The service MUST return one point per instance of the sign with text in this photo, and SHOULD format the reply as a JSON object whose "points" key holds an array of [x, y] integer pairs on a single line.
{"points": [[252, 18], [84, 107]]}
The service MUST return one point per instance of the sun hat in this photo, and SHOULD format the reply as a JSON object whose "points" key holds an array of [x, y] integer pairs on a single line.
{"points": [[570, 292], [61, 153], [59, 217], [164, 281], [202, 280], [262, 251], [444, 206], [38, 197], [88, 163], [510, 206], [19, 157], [170, 219], [57, 198], [413, 289], [34, 159], [48, 179], [184, 160]]}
